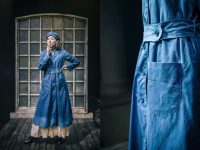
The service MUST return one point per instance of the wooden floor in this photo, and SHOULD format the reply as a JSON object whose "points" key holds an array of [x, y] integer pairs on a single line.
{"points": [[84, 135]]}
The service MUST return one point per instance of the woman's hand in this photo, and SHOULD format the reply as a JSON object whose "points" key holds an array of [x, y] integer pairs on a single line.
{"points": [[48, 51], [63, 67]]}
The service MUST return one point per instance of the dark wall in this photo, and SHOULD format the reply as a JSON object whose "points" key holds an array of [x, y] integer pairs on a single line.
{"points": [[7, 61], [15, 8], [120, 39]]}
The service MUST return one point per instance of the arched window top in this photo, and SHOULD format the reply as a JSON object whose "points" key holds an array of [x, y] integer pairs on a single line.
{"points": [[51, 14]]}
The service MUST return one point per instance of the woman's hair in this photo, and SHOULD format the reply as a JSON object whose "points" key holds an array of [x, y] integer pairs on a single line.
{"points": [[57, 43]]}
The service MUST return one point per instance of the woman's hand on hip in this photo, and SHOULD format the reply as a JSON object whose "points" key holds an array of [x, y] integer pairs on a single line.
{"points": [[63, 67]]}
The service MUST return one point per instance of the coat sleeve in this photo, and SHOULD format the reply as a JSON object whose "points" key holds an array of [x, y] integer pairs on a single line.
{"points": [[74, 62], [43, 61]]}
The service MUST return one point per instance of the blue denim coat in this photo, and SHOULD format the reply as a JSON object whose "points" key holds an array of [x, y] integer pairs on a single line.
{"points": [[54, 108], [165, 106]]}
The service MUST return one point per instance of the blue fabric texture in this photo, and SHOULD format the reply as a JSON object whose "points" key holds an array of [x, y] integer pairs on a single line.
{"points": [[54, 107], [165, 103]]}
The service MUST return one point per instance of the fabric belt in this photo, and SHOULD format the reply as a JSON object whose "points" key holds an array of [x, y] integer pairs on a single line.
{"points": [[53, 72], [171, 29]]}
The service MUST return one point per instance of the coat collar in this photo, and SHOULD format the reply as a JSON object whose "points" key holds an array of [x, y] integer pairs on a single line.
{"points": [[56, 52]]}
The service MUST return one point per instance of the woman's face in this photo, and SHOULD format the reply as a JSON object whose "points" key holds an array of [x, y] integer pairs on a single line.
{"points": [[51, 42]]}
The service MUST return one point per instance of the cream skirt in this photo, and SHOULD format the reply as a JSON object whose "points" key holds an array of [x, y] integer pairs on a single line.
{"points": [[36, 131]]}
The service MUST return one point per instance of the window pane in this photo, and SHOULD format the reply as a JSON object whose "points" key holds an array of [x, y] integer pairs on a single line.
{"points": [[59, 33], [79, 101], [79, 48], [23, 35], [23, 75], [68, 47], [81, 61], [23, 24], [23, 88], [35, 23], [57, 22], [68, 35], [46, 22], [79, 75], [34, 75], [23, 49], [44, 46], [34, 101], [44, 33], [70, 87], [35, 48], [80, 23], [79, 88], [35, 36], [80, 34], [23, 101], [35, 88], [68, 22], [68, 75], [34, 61], [23, 61], [71, 100]]}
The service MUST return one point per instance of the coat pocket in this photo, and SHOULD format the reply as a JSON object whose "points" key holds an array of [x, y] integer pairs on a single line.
{"points": [[164, 87], [163, 98]]}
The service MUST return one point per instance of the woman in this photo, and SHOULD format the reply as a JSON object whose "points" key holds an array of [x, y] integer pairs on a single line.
{"points": [[53, 114], [165, 109]]}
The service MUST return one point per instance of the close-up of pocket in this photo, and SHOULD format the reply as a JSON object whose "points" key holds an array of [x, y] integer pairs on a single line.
{"points": [[164, 86], [163, 97]]}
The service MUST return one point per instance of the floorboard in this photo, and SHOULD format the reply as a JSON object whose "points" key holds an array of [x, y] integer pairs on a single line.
{"points": [[84, 135]]}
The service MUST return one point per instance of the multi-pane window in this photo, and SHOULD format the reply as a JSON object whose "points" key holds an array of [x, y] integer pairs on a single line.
{"points": [[30, 40]]}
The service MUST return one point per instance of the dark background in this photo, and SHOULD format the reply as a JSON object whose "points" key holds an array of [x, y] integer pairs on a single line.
{"points": [[114, 38], [120, 39]]}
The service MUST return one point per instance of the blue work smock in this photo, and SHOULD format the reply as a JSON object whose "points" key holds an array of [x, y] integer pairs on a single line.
{"points": [[165, 106], [54, 108]]}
